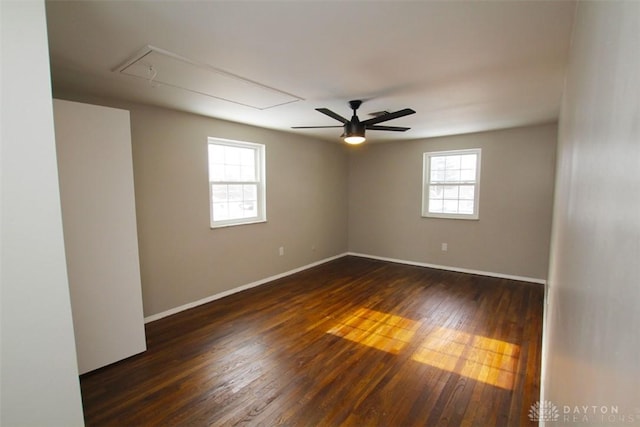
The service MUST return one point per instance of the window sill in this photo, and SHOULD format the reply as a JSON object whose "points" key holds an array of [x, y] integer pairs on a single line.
{"points": [[452, 216], [236, 224]]}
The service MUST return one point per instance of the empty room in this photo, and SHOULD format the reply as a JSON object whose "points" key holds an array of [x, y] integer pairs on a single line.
{"points": [[313, 213]]}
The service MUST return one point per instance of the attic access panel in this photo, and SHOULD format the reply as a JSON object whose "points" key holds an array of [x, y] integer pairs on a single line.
{"points": [[160, 66]]}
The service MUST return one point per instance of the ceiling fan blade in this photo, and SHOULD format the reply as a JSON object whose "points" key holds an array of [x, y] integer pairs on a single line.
{"points": [[390, 116], [391, 128], [314, 127], [333, 115]]}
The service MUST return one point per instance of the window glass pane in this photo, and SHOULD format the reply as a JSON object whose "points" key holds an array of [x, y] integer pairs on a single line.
{"points": [[467, 175], [437, 162], [450, 192], [248, 157], [235, 193], [216, 153], [250, 192], [216, 158], [235, 210], [218, 193], [450, 206], [465, 207], [435, 206], [452, 162], [437, 175], [220, 211], [232, 155], [467, 192], [232, 172], [436, 191], [452, 175], [468, 161], [216, 172], [248, 173], [231, 163], [250, 209]]}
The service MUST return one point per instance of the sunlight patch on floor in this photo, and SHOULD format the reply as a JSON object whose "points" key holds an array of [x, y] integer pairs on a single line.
{"points": [[477, 357], [376, 329]]}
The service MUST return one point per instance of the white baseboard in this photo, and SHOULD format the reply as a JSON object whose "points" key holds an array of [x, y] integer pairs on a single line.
{"points": [[193, 304], [456, 269]]}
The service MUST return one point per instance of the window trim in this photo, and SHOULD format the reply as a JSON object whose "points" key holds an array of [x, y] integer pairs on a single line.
{"points": [[260, 164], [426, 182]]}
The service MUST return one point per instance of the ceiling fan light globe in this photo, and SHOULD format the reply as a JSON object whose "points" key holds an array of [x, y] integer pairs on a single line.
{"points": [[354, 139]]}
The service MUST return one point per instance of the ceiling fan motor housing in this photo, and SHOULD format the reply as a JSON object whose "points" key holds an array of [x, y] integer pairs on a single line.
{"points": [[354, 127]]}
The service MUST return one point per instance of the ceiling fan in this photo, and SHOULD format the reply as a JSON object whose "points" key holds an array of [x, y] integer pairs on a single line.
{"points": [[354, 129]]}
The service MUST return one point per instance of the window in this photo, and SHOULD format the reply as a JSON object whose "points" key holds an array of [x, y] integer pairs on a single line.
{"points": [[451, 184], [236, 182]]}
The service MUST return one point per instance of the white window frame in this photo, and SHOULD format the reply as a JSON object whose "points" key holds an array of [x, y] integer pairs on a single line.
{"points": [[427, 182], [259, 152]]}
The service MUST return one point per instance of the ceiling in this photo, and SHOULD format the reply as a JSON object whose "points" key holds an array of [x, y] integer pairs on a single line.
{"points": [[464, 66]]}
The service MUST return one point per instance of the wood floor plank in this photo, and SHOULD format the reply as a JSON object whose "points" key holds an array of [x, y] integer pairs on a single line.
{"points": [[353, 342]]}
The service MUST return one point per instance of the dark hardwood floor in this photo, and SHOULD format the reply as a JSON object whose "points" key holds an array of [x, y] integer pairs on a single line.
{"points": [[354, 342]]}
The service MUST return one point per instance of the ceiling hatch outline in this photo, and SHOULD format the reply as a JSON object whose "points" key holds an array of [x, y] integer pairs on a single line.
{"points": [[160, 66]]}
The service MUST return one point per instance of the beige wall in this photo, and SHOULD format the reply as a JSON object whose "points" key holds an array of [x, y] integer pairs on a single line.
{"points": [[331, 197], [182, 259], [591, 333], [516, 192]]}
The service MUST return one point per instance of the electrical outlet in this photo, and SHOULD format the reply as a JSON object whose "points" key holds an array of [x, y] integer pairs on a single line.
{"points": [[444, 247], [281, 250]]}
